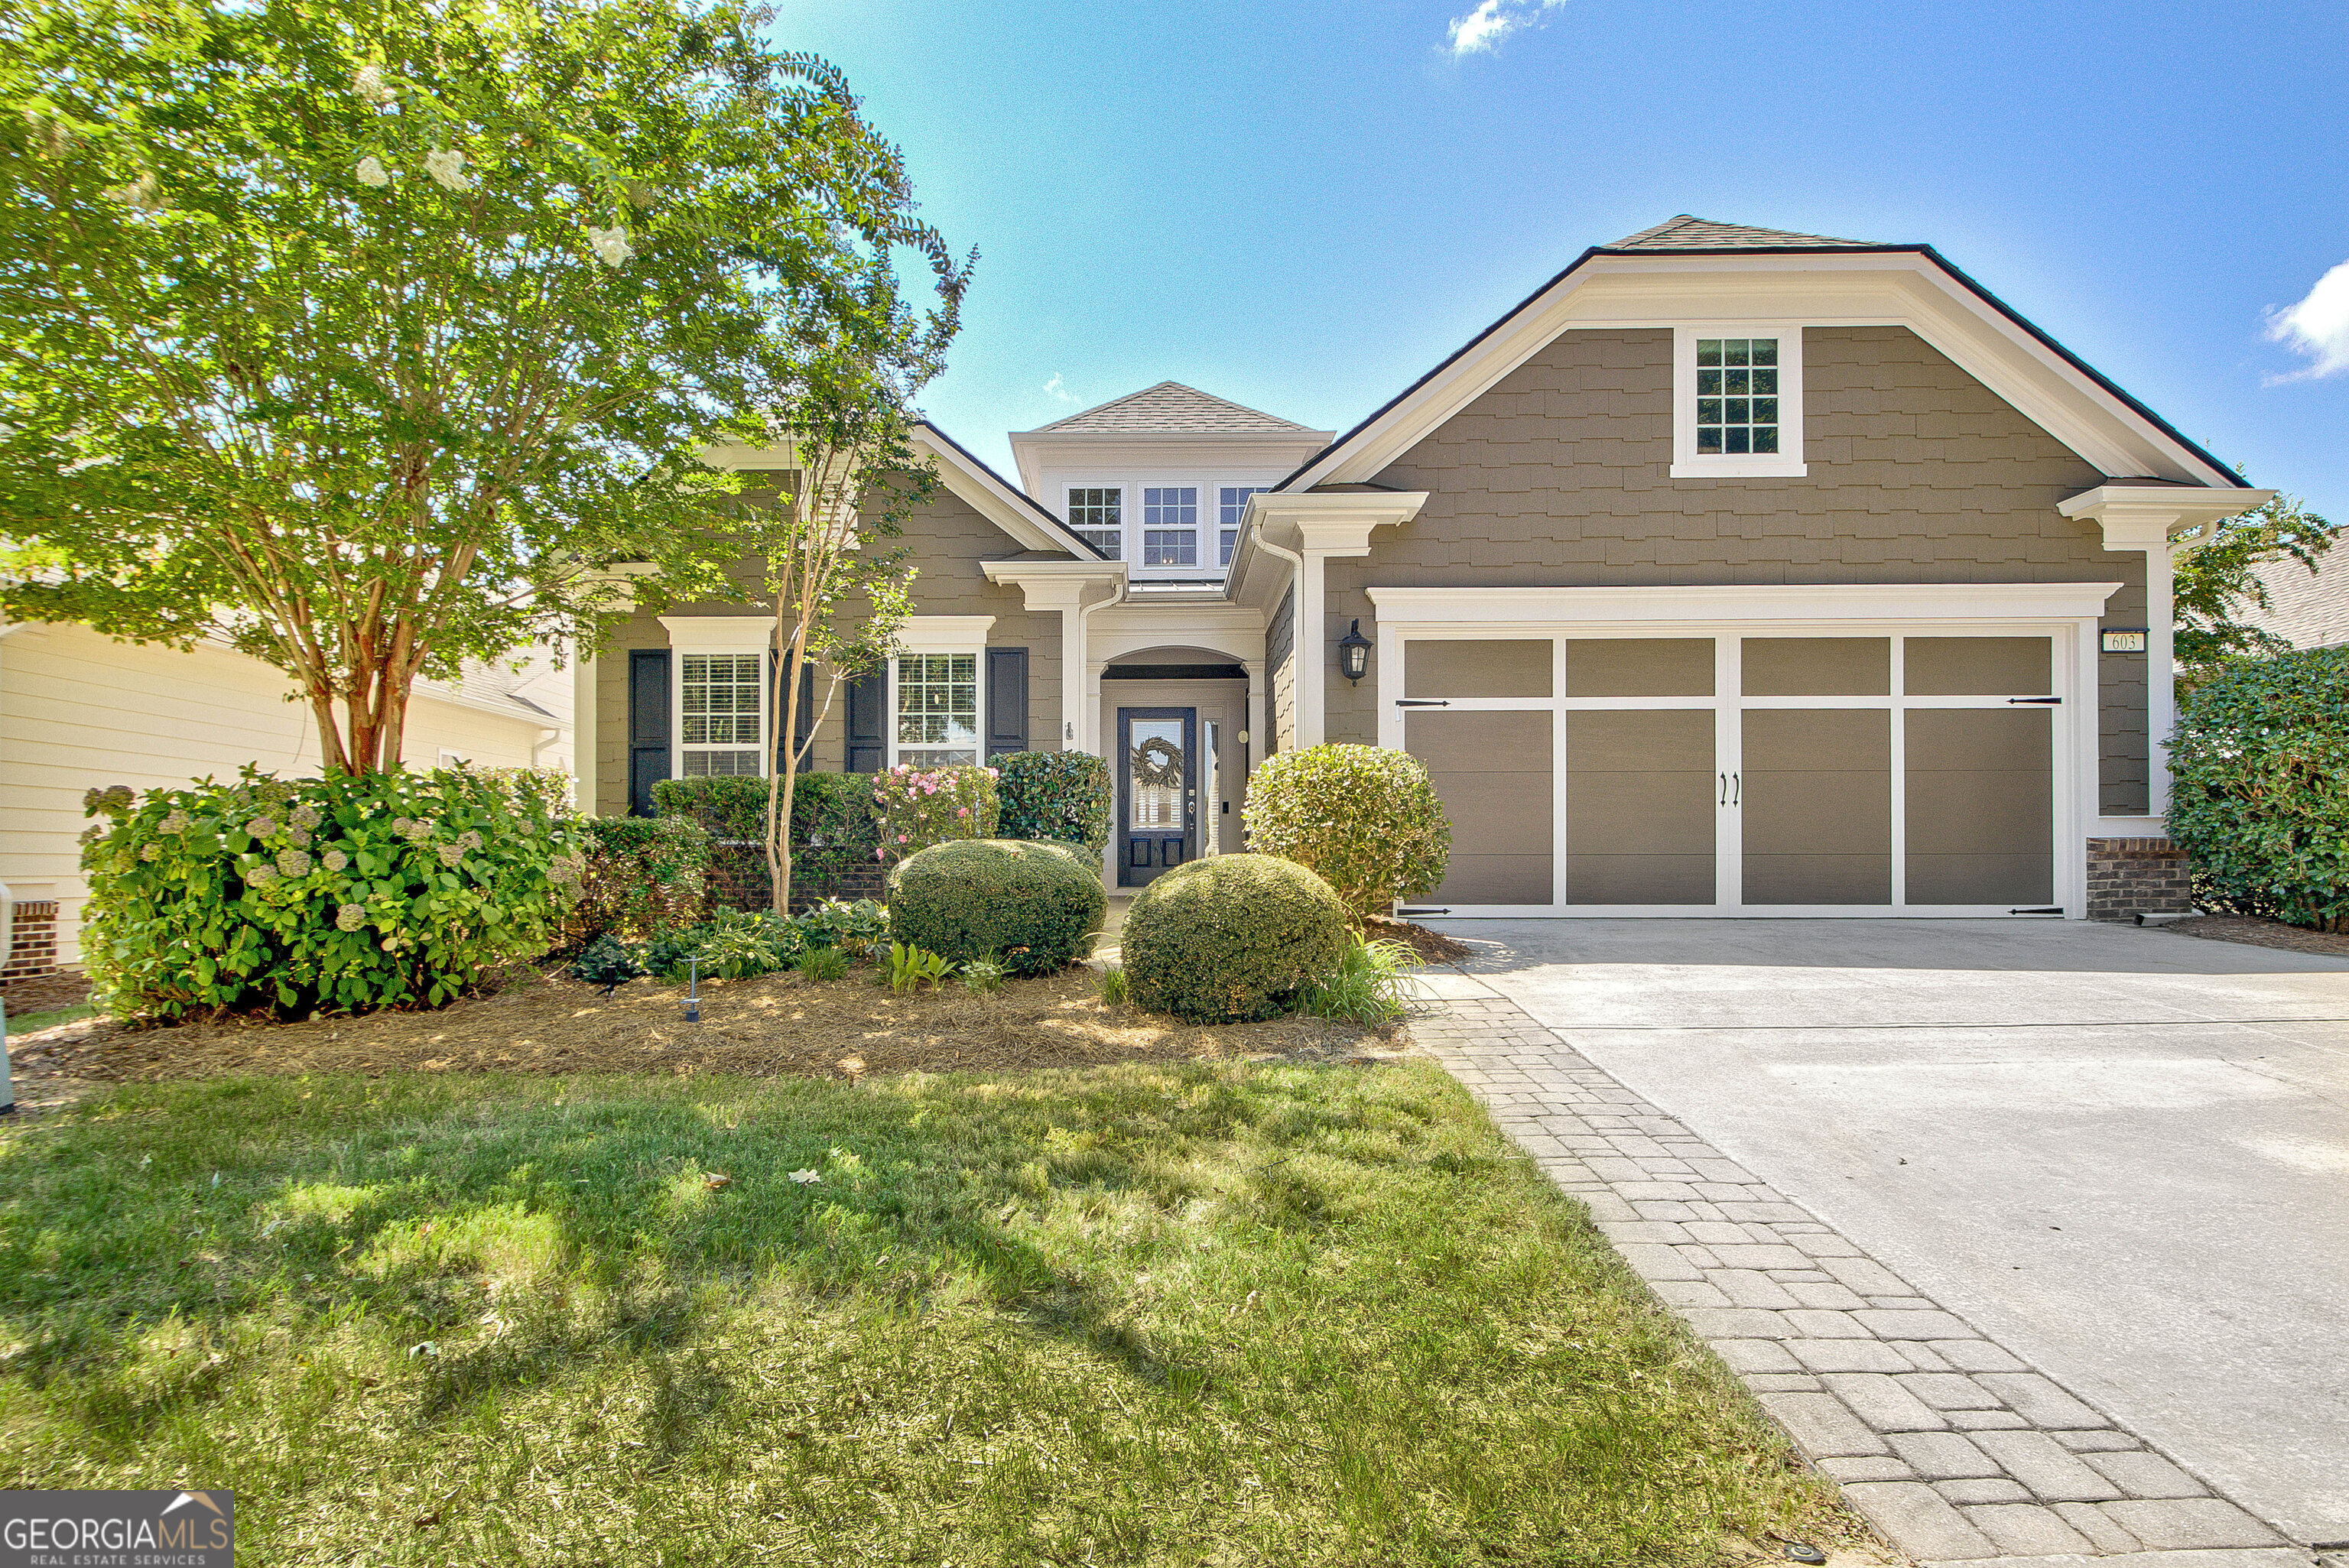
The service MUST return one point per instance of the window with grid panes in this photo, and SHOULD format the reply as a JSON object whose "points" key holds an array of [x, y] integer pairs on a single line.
{"points": [[1099, 518], [1170, 526], [938, 709], [1232, 506], [1736, 395], [720, 695]]}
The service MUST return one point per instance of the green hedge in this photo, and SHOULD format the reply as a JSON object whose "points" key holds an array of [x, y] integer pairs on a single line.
{"points": [[1058, 797], [1365, 818], [1032, 907], [394, 889], [645, 877], [1231, 938], [834, 827], [2260, 787]]}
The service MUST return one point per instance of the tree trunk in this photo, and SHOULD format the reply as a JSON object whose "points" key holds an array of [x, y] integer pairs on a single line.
{"points": [[782, 781]]}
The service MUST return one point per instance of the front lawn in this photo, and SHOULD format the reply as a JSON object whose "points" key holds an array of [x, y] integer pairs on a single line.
{"points": [[1172, 1313]]}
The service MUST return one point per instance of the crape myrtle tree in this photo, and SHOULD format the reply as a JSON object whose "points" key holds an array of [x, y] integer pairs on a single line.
{"points": [[370, 337]]}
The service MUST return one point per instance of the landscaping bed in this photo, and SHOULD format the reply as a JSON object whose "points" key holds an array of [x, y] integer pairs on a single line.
{"points": [[2260, 931], [1165, 1312], [773, 1024]]}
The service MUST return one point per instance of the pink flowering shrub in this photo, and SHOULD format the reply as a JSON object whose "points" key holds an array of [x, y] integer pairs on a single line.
{"points": [[918, 806]]}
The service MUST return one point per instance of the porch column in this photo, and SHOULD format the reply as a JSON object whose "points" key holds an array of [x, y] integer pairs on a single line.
{"points": [[584, 763], [2161, 681]]}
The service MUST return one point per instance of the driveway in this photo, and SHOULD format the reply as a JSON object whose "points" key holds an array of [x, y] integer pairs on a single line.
{"points": [[2122, 1153]]}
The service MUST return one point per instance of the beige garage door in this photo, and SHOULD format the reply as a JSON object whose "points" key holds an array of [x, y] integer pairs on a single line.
{"points": [[1491, 764]]}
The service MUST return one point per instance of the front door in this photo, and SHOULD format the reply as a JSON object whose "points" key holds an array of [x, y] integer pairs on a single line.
{"points": [[1157, 788]]}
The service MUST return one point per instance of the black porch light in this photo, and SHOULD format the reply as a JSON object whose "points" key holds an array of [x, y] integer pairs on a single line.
{"points": [[1354, 653]]}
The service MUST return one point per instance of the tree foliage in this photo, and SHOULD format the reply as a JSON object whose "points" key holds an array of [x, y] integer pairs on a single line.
{"points": [[2216, 580], [370, 337]]}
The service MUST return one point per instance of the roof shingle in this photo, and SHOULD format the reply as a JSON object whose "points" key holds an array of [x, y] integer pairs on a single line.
{"points": [[1686, 234], [1172, 408]]}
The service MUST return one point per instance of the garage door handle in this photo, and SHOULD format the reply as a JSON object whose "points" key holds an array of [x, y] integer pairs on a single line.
{"points": [[1724, 788], [2036, 701], [1423, 702]]}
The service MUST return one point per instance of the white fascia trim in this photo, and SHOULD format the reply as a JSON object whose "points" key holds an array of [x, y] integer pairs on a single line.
{"points": [[989, 496], [1902, 288], [1499, 611], [1786, 462], [720, 633], [1057, 584], [2148, 517], [943, 633]]}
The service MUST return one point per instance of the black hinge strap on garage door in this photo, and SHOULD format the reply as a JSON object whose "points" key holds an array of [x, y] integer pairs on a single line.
{"points": [[2036, 701], [1423, 702]]}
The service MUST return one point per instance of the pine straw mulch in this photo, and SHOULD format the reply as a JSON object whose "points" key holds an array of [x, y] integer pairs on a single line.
{"points": [[2262, 933], [1433, 946], [775, 1024], [45, 993]]}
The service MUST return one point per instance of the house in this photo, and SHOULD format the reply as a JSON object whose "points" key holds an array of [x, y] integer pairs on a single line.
{"points": [[1731, 571], [79, 711], [2308, 610]]}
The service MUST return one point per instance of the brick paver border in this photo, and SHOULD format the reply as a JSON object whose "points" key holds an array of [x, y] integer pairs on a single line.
{"points": [[1952, 1446]]}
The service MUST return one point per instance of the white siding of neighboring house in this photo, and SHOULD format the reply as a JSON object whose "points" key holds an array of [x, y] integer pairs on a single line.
{"points": [[78, 709]]}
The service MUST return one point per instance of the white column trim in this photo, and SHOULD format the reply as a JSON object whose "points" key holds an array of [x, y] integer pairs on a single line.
{"points": [[587, 765]]}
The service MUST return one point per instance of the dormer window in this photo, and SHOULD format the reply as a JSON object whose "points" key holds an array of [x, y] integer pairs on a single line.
{"points": [[1097, 515], [1170, 526], [1737, 402], [1232, 507]]}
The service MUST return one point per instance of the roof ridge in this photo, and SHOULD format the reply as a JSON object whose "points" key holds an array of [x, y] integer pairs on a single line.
{"points": [[1092, 419], [1685, 231]]}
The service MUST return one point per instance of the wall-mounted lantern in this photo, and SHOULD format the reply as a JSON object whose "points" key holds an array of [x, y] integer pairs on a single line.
{"points": [[1354, 653]]}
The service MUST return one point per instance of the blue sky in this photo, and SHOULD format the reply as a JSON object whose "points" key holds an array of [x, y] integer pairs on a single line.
{"points": [[1303, 207]]}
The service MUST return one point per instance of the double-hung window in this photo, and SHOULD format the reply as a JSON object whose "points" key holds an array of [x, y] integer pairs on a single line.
{"points": [[1170, 526], [1232, 505], [1737, 393], [720, 697], [1098, 514], [938, 709]]}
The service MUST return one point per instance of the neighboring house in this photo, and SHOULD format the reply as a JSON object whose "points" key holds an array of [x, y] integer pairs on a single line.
{"points": [[1731, 573], [78, 710], [2308, 610]]}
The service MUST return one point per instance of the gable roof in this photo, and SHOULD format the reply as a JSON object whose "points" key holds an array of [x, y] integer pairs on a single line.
{"points": [[2003, 333], [999, 500], [1171, 409], [1687, 233]]}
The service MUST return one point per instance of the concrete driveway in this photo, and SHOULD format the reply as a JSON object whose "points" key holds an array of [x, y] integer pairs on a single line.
{"points": [[2124, 1154]]}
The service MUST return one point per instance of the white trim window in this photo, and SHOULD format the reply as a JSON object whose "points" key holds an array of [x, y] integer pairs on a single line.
{"points": [[720, 714], [935, 703], [1231, 506], [1737, 401], [1097, 514], [1170, 526]]}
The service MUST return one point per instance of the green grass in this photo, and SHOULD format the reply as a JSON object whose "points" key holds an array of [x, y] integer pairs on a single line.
{"points": [[1197, 1314], [31, 1021]]}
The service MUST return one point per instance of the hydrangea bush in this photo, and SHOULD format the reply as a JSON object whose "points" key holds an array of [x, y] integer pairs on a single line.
{"points": [[918, 806], [393, 888], [2260, 787], [1365, 817]]}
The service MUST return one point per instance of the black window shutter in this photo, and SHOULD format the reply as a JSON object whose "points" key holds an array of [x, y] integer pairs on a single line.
{"points": [[804, 723], [868, 736], [1006, 700], [648, 721]]}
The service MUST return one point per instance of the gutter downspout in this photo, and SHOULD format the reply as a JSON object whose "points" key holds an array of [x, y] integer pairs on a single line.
{"points": [[1091, 698], [1296, 654], [7, 948]]}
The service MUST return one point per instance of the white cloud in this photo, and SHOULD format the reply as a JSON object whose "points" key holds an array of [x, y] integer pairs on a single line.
{"points": [[1481, 30], [2318, 325], [1057, 392]]}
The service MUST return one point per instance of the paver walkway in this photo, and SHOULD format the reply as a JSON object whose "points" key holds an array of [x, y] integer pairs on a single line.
{"points": [[1951, 1445]]}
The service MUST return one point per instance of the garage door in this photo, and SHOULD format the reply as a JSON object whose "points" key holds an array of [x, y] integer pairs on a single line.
{"points": [[1741, 773]]}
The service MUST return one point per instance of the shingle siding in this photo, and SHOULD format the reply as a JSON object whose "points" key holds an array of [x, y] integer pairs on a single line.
{"points": [[1280, 672], [951, 540], [1559, 476]]}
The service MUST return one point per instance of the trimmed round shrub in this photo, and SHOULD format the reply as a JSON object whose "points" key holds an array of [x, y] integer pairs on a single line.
{"points": [[1031, 907], [2260, 787], [1062, 797], [395, 889], [1365, 817], [1231, 938]]}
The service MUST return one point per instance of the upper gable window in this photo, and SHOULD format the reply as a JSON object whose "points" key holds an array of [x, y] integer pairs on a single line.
{"points": [[1233, 507], [1737, 402], [1170, 526], [1099, 516]]}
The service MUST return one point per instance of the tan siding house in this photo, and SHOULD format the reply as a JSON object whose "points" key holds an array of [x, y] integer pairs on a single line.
{"points": [[1732, 571], [78, 710]]}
